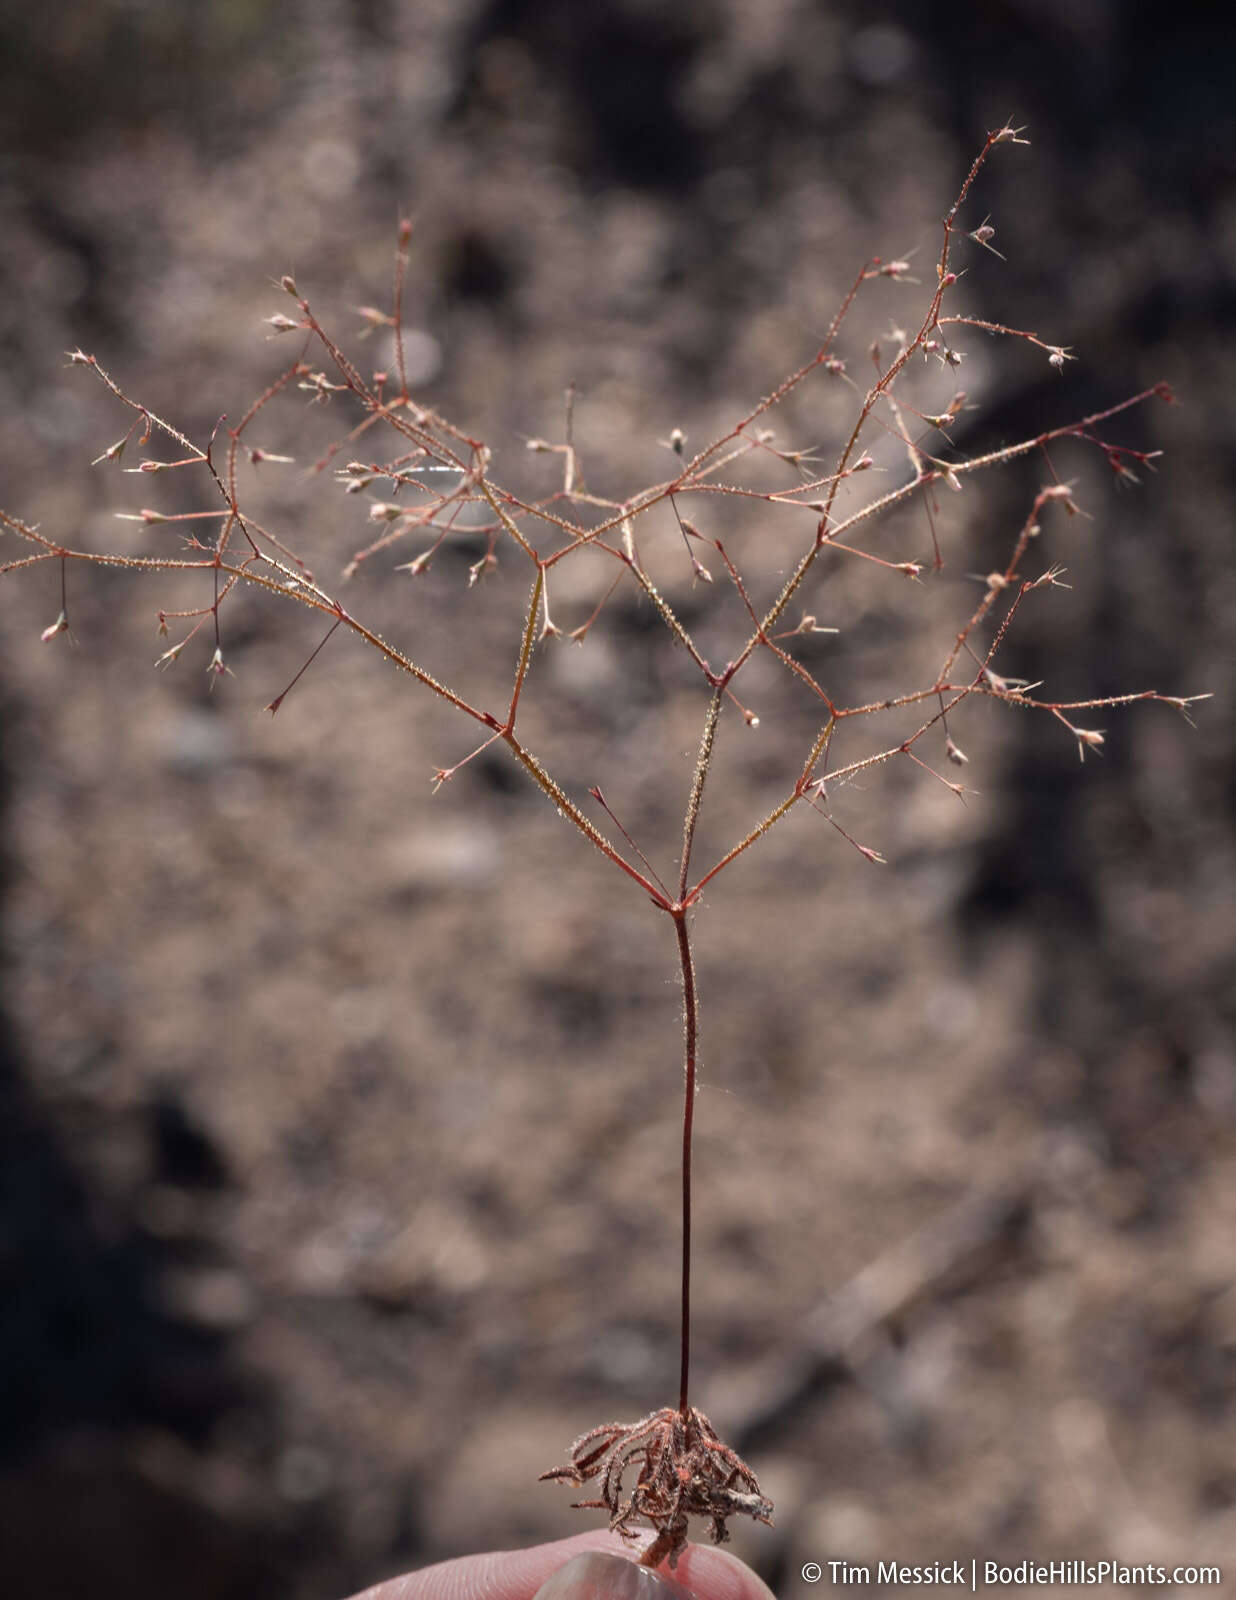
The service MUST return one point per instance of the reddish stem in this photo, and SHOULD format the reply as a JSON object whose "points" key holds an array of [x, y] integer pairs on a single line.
{"points": [[691, 1028]]}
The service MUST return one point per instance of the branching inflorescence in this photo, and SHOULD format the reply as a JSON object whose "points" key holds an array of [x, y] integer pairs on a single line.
{"points": [[434, 482]]}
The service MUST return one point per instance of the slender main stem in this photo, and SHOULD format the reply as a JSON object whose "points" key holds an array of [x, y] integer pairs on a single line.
{"points": [[690, 1014], [691, 1027]]}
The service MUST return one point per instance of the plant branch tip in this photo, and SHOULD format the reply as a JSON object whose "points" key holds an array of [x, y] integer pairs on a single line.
{"points": [[218, 667], [984, 234], [61, 625]]}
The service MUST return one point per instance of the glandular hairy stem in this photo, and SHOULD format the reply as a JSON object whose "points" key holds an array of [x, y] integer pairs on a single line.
{"points": [[690, 1011]]}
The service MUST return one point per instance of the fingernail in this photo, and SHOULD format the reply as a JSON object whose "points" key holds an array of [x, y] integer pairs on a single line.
{"points": [[596, 1575]]}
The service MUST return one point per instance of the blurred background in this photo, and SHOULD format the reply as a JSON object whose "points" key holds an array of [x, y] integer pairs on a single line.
{"points": [[338, 1125]]}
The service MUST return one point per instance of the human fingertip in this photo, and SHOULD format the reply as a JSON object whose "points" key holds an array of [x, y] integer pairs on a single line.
{"points": [[597, 1575], [720, 1575]]}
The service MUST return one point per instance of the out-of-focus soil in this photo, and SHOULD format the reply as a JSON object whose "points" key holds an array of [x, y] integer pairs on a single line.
{"points": [[340, 1121]]}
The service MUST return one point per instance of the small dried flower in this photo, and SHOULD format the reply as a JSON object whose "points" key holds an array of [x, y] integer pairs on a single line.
{"points": [[984, 234], [373, 318], [113, 451], [482, 568]]}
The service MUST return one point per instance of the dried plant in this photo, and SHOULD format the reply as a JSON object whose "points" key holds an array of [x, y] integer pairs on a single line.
{"points": [[684, 1471], [432, 481]]}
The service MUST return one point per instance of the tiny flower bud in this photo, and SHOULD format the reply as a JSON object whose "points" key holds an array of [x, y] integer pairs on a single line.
{"points": [[953, 481], [375, 318], [113, 451], [955, 754], [61, 625], [1087, 737], [282, 324], [482, 568], [288, 283], [983, 235], [834, 367], [864, 461]]}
